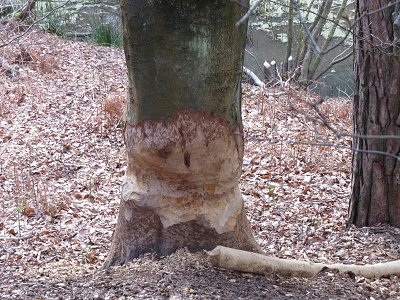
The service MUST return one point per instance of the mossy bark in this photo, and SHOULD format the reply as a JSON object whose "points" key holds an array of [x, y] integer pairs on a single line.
{"points": [[183, 55], [183, 129]]}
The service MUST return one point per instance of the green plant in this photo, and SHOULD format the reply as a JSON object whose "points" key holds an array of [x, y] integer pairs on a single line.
{"points": [[106, 34], [54, 24]]}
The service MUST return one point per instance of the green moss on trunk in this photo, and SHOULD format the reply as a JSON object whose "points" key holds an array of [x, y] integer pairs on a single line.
{"points": [[183, 55]]}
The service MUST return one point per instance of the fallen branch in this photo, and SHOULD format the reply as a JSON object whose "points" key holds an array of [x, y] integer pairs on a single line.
{"points": [[257, 81], [250, 262]]}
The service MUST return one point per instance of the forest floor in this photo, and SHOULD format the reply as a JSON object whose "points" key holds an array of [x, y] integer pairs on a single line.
{"points": [[62, 159]]}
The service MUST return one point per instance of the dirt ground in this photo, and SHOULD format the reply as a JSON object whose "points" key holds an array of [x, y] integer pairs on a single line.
{"points": [[180, 276], [62, 160]]}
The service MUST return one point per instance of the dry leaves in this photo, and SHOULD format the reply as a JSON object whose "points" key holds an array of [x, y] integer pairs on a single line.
{"points": [[62, 158]]}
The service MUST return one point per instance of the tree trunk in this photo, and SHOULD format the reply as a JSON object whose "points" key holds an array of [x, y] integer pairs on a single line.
{"points": [[375, 195], [316, 32], [183, 129], [289, 46]]}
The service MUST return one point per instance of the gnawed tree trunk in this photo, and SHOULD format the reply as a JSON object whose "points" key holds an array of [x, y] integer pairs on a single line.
{"points": [[183, 129], [376, 178]]}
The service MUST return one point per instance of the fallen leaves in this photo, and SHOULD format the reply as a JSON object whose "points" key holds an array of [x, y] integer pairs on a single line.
{"points": [[57, 144], [62, 159], [298, 188]]}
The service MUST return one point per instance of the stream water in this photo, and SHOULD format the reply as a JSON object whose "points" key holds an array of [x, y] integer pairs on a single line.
{"points": [[268, 46], [267, 40]]}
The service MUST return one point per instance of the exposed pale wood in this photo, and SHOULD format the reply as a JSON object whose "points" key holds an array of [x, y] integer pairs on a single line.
{"points": [[257, 81], [250, 262]]}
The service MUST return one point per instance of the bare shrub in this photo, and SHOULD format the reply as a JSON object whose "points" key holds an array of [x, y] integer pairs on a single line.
{"points": [[113, 108]]}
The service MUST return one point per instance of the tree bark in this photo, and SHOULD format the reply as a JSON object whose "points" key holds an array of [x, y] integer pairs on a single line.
{"points": [[375, 195], [316, 32], [183, 130]]}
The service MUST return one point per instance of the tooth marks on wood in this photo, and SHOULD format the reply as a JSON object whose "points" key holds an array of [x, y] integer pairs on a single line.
{"points": [[186, 159]]}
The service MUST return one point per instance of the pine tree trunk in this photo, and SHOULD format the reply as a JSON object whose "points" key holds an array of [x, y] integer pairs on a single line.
{"points": [[183, 129], [376, 178]]}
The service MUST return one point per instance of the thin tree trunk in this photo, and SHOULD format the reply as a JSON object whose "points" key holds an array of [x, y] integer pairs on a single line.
{"points": [[302, 42], [375, 195], [317, 31], [183, 129], [289, 38], [314, 66]]}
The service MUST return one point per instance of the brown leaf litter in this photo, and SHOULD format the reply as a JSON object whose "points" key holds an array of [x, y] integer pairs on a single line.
{"points": [[62, 159]]}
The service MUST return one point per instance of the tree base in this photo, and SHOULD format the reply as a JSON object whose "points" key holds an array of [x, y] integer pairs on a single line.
{"points": [[181, 188], [144, 233]]}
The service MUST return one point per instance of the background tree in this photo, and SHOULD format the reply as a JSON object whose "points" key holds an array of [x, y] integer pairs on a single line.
{"points": [[312, 31], [183, 129], [376, 111]]}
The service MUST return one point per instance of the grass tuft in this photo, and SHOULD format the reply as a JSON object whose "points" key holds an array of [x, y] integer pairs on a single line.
{"points": [[106, 34], [54, 25]]}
